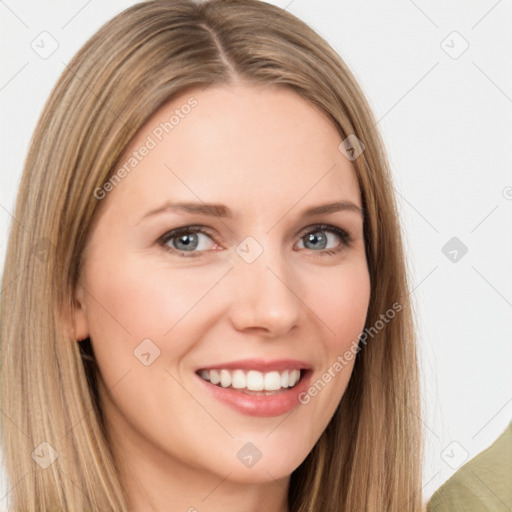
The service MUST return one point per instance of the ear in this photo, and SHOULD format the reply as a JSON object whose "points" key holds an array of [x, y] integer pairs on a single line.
{"points": [[80, 323]]}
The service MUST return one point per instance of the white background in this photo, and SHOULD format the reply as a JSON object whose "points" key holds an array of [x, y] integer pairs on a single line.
{"points": [[447, 124]]}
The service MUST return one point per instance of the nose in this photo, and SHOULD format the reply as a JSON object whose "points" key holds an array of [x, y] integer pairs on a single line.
{"points": [[264, 301]]}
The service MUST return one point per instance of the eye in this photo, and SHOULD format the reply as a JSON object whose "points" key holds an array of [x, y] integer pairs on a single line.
{"points": [[319, 237], [191, 239]]}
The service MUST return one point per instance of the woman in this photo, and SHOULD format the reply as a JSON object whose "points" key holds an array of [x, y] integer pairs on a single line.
{"points": [[172, 338]]}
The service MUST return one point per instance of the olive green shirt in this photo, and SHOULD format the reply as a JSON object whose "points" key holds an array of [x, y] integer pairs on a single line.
{"points": [[482, 484]]}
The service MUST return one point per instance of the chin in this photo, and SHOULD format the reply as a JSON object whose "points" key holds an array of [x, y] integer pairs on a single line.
{"points": [[266, 469]]}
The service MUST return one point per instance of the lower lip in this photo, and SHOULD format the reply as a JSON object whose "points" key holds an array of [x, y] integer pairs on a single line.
{"points": [[260, 405]]}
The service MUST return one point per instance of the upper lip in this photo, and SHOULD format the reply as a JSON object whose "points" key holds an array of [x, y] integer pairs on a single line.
{"points": [[262, 365]]}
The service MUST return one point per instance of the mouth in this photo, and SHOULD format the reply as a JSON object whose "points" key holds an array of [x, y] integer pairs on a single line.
{"points": [[253, 382], [257, 387]]}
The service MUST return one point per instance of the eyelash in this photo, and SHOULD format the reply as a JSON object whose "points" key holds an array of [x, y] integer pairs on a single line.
{"points": [[346, 240]]}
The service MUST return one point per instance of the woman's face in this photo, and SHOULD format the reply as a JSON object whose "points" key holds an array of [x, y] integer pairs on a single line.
{"points": [[258, 286]]}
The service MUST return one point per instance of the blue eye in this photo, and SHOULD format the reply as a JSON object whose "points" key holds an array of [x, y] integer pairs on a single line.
{"points": [[191, 241], [318, 237], [185, 239]]}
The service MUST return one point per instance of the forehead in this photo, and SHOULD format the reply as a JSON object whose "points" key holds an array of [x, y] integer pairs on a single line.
{"points": [[240, 145]]}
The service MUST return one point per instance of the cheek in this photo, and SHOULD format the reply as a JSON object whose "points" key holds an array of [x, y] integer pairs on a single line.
{"points": [[131, 302], [342, 304], [142, 300]]}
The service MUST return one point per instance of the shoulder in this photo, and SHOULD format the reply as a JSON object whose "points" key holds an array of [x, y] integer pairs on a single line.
{"points": [[484, 483]]}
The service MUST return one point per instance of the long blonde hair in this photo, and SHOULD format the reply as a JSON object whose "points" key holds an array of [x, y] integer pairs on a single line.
{"points": [[369, 456]]}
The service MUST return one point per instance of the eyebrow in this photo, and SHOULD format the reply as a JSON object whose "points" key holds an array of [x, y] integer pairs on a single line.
{"points": [[222, 211]]}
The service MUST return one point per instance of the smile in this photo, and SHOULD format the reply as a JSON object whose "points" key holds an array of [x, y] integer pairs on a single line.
{"points": [[252, 380]]}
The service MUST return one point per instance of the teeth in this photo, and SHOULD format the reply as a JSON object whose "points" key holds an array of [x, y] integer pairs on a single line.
{"points": [[225, 378], [214, 377], [238, 380], [285, 379], [272, 381], [252, 380], [255, 381]]}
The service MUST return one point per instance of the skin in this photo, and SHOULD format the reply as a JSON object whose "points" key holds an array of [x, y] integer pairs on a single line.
{"points": [[268, 155]]}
